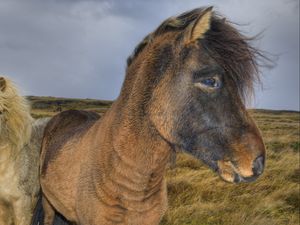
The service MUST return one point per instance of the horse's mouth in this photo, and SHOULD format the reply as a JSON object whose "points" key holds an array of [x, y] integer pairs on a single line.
{"points": [[230, 173]]}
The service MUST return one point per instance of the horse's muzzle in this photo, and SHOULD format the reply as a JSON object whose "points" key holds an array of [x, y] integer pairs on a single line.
{"points": [[231, 173], [258, 169]]}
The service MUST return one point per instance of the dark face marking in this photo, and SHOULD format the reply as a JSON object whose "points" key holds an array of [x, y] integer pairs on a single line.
{"points": [[208, 71], [205, 111], [208, 127]]}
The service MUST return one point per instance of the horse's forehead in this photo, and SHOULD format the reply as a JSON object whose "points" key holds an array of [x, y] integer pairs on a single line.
{"points": [[171, 38], [195, 57]]}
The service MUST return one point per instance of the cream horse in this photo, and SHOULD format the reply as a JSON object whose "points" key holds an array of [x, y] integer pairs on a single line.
{"points": [[20, 138]]}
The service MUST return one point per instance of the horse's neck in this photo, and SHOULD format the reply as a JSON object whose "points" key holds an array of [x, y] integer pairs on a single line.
{"points": [[145, 152], [136, 159]]}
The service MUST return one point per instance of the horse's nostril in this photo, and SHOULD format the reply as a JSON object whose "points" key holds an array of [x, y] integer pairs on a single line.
{"points": [[258, 165]]}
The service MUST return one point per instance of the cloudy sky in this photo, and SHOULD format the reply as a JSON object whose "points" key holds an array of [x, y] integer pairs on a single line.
{"points": [[77, 48]]}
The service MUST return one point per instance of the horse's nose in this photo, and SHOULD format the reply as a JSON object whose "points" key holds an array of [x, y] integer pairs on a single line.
{"points": [[258, 168], [258, 165]]}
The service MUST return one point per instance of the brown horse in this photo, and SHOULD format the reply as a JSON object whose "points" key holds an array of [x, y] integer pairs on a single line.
{"points": [[184, 88]]}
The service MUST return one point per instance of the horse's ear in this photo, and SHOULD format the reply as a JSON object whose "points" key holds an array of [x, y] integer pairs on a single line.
{"points": [[200, 26], [2, 84]]}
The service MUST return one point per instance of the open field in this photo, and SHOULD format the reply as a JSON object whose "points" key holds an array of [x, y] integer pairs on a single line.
{"points": [[49, 106], [197, 196]]}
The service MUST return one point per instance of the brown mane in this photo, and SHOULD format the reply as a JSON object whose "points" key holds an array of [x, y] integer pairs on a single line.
{"points": [[232, 50]]}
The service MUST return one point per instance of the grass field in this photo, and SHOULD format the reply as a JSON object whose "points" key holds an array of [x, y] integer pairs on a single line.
{"points": [[49, 106], [197, 196]]}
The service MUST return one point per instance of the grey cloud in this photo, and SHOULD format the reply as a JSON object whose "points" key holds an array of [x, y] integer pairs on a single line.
{"points": [[78, 48]]}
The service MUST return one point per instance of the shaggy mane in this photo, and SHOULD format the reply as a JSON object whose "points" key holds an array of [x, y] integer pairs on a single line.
{"points": [[231, 50], [15, 120]]}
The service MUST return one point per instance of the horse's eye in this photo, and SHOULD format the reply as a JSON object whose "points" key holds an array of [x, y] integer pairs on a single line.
{"points": [[211, 82]]}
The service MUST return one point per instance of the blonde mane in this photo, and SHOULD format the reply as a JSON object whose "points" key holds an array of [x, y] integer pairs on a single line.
{"points": [[15, 118]]}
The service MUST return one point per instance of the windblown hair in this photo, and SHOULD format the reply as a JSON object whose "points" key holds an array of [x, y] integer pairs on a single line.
{"points": [[231, 49], [15, 118]]}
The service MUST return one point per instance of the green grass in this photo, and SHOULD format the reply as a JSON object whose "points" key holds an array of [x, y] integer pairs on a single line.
{"points": [[197, 196]]}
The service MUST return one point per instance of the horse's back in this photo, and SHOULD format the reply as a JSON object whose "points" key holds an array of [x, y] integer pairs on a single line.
{"points": [[62, 154]]}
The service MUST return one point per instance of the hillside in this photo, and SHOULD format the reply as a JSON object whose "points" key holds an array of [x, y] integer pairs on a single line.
{"points": [[49, 106], [197, 196]]}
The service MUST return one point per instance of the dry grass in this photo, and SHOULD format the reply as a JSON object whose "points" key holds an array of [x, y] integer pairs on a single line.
{"points": [[197, 196], [49, 106]]}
